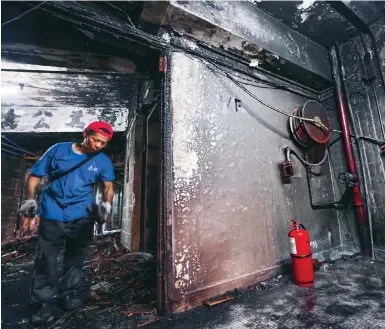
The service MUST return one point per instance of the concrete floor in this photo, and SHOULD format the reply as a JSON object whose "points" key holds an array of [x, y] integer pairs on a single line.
{"points": [[347, 294]]}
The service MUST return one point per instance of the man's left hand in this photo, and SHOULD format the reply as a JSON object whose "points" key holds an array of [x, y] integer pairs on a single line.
{"points": [[105, 210]]}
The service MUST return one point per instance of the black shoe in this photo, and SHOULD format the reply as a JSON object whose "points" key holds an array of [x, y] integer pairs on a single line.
{"points": [[69, 302], [42, 314]]}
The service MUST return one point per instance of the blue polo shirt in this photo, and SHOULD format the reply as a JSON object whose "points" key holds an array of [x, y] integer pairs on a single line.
{"points": [[67, 198]]}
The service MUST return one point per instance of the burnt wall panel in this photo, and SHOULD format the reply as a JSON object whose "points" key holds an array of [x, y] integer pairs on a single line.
{"points": [[128, 186], [231, 212], [12, 181], [362, 96], [378, 30]]}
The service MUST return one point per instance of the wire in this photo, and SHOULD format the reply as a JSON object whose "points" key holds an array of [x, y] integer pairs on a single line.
{"points": [[316, 123], [25, 13], [154, 42], [17, 149], [17, 146], [10, 152], [374, 140], [128, 17], [304, 162], [224, 71], [266, 85], [240, 85]]}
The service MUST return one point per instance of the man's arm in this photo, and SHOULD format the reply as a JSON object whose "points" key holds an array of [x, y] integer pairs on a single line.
{"points": [[107, 177], [108, 192], [30, 187], [28, 207]]}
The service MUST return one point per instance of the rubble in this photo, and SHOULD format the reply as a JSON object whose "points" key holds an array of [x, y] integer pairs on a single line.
{"points": [[117, 284], [17, 249], [114, 274]]}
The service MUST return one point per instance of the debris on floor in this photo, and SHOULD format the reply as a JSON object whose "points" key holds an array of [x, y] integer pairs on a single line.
{"points": [[17, 250], [349, 294], [316, 264], [215, 301], [116, 283], [148, 316], [112, 275]]}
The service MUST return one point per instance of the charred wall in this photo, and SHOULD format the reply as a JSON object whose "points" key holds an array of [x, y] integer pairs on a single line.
{"points": [[365, 94], [12, 181], [128, 186], [378, 30], [347, 221], [230, 212]]}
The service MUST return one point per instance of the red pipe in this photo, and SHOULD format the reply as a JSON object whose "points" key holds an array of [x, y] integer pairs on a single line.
{"points": [[349, 155], [357, 198]]}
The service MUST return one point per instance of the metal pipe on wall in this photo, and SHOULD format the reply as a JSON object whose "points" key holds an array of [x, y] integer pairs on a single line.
{"points": [[357, 198], [360, 146]]}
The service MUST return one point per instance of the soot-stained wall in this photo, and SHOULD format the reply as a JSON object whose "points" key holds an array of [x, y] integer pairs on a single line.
{"points": [[366, 119], [64, 102], [230, 213], [378, 30], [128, 186], [12, 181]]}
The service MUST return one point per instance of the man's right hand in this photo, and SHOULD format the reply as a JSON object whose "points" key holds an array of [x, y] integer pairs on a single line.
{"points": [[28, 208]]}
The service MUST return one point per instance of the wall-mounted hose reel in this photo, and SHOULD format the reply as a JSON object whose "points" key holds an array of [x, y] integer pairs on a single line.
{"points": [[311, 129], [306, 133]]}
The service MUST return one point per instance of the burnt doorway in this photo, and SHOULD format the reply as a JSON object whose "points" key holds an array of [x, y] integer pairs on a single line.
{"points": [[70, 77]]}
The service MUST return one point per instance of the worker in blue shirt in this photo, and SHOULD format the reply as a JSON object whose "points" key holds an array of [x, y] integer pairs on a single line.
{"points": [[67, 215]]}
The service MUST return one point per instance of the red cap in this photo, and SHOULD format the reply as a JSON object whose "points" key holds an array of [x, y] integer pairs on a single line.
{"points": [[100, 127]]}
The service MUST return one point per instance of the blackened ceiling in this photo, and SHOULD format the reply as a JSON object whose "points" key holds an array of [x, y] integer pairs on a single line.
{"points": [[38, 37], [95, 34], [318, 21]]}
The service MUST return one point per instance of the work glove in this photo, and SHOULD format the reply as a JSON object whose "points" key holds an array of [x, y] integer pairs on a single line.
{"points": [[28, 208], [105, 210], [100, 211]]}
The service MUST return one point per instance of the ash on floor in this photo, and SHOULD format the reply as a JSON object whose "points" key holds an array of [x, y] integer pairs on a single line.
{"points": [[115, 283], [347, 294]]}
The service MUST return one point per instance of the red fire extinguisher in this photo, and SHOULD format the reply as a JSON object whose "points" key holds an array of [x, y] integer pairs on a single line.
{"points": [[301, 255]]}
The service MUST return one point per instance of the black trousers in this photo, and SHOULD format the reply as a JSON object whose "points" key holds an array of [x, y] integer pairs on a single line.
{"points": [[52, 235]]}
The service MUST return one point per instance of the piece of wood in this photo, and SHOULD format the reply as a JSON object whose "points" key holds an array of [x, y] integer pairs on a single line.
{"points": [[212, 302]]}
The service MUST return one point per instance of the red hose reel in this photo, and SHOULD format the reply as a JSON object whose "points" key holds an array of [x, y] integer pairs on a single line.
{"points": [[308, 133]]}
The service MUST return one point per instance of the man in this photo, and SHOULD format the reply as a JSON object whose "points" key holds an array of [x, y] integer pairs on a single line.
{"points": [[65, 216]]}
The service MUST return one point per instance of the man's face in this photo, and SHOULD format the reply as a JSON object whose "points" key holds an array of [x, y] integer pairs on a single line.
{"points": [[95, 143]]}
